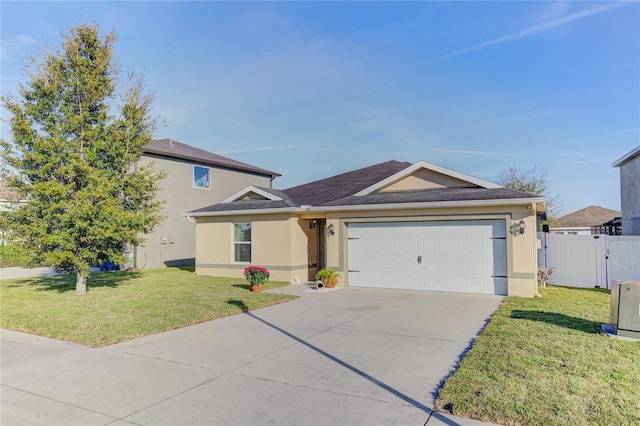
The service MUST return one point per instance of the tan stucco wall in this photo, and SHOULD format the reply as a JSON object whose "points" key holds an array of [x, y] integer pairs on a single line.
{"points": [[283, 243], [180, 196], [278, 242]]}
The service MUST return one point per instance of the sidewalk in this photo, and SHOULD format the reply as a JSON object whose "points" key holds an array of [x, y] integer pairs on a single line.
{"points": [[22, 272]]}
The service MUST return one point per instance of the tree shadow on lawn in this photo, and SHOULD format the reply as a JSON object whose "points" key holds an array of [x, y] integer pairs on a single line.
{"points": [[238, 303], [560, 320], [67, 282]]}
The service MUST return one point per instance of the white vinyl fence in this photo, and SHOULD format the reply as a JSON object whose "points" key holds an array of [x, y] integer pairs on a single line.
{"points": [[590, 260]]}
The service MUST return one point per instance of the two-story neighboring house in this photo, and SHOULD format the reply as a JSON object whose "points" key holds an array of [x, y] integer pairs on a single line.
{"points": [[195, 178], [629, 165]]}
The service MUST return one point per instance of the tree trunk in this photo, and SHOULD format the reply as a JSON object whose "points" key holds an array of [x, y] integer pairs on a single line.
{"points": [[81, 283]]}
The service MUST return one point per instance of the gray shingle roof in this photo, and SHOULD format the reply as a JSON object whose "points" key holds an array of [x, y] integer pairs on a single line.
{"points": [[339, 191], [345, 184], [174, 149]]}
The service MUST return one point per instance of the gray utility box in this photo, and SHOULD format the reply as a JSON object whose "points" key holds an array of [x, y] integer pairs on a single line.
{"points": [[625, 308]]}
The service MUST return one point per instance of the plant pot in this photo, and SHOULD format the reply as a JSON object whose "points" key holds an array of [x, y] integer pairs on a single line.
{"points": [[328, 283], [256, 288]]}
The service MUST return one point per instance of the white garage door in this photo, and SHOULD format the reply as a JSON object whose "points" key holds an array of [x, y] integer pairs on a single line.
{"points": [[462, 256]]}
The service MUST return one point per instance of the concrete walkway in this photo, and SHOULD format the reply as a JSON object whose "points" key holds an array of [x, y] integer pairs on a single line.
{"points": [[341, 357]]}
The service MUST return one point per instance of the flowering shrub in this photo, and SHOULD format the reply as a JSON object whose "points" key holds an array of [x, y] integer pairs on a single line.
{"points": [[256, 274]]}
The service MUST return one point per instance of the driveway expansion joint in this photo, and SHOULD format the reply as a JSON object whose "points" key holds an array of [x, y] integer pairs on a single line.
{"points": [[61, 402]]}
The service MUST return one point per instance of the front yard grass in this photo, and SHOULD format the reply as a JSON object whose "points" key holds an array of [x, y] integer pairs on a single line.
{"points": [[121, 306], [545, 361]]}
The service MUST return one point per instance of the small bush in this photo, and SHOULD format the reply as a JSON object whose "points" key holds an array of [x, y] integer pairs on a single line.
{"points": [[14, 255]]}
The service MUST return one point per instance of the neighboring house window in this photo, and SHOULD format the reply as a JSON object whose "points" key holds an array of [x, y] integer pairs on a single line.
{"points": [[201, 177], [242, 242]]}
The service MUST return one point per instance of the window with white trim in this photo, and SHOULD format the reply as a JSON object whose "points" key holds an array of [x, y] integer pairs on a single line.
{"points": [[242, 242], [201, 177]]}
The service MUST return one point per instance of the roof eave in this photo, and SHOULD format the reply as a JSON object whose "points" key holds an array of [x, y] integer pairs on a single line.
{"points": [[431, 204], [247, 212], [211, 163], [363, 207], [628, 156]]}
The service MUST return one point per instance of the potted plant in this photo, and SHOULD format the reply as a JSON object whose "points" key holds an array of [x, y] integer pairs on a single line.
{"points": [[256, 275], [329, 277]]}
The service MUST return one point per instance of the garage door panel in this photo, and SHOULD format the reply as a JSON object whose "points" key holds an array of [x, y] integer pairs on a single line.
{"points": [[475, 246], [465, 256], [450, 246]]}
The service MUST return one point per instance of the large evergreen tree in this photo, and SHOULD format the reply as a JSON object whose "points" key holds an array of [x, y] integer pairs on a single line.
{"points": [[76, 138]]}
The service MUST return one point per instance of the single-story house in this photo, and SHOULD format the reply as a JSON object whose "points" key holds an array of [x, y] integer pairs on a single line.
{"points": [[629, 165], [583, 221], [390, 225]]}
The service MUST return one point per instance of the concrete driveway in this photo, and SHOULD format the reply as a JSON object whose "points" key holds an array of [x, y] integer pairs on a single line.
{"points": [[348, 356]]}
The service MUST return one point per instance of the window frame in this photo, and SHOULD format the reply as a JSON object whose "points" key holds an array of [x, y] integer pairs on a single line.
{"points": [[234, 243], [193, 177]]}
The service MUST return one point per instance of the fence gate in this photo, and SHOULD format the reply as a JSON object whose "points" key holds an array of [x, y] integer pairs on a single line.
{"points": [[590, 260]]}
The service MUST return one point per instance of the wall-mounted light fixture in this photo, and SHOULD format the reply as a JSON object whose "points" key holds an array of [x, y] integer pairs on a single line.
{"points": [[517, 228], [330, 230], [312, 223]]}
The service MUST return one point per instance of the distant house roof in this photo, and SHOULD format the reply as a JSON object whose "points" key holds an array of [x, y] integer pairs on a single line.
{"points": [[174, 149], [348, 189], [627, 157], [585, 218]]}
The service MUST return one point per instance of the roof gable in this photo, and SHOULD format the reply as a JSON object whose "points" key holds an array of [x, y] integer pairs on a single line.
{"points": [[174, 149], [253, 193], [423, 175]]}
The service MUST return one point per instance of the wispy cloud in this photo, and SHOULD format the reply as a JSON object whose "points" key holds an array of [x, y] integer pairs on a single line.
{"points": [[502, 122], [576, 154], [536, 29], [261, 148], [14, 44], [460, 151]]}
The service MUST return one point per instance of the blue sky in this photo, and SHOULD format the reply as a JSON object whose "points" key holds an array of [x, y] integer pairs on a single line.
{"points": [[314, 89]]}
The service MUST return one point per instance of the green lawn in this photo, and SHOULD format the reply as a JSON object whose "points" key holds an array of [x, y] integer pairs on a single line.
{"points": [[545, 361], [120, 305]]}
